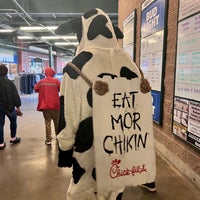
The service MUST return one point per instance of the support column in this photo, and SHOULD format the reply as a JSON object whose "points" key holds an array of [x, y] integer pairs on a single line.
{"points": [[50, 57]]}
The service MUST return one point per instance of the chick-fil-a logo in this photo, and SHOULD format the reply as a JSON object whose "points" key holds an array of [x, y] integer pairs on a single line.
{"points": [[115, 170]]}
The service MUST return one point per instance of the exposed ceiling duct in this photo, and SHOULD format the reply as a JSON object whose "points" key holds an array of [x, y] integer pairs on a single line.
{"points": [[17, 13]]}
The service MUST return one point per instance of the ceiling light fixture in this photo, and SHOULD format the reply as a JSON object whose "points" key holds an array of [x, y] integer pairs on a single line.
{"points": [[37, 28], [6, 30], [66, 43], [24, 38], [58, 37]]}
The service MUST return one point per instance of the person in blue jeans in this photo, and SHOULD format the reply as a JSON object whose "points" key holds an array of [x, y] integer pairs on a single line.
{"points": [[10, 103]]}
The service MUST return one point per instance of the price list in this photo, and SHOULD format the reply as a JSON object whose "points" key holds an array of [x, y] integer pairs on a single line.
{"points": [[186, 116], [187, 82]]}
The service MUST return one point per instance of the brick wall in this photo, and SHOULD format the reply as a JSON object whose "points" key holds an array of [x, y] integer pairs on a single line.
{"points": [[170, 146]]}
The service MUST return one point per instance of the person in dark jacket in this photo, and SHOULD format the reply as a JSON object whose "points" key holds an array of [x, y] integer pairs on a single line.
{"points": [[10, 103]]}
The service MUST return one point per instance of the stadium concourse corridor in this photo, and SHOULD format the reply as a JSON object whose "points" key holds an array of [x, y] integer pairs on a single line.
{"points": [[28, 171]]}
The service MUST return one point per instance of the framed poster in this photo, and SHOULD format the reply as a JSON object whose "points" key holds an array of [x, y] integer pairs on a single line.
{"points": [[186, 108], [129, 34], [153, 17], [153, 23]]}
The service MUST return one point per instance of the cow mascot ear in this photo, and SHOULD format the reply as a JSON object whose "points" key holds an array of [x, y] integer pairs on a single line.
{"points": [[71, 26]]}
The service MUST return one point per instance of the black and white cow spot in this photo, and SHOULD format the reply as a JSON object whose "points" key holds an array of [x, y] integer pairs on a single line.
{"points": [[94, 174], [84, 136], [127, 73], [79, 61], [90, 13], [62, 122], [98, 27], [77, 172]]}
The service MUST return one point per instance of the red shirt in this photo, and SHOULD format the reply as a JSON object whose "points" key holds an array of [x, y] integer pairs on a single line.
{"points": [[48, 89]]}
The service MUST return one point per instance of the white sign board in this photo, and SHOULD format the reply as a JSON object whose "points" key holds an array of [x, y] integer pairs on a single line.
{"points": [[151, 59], [129, 31], [187, 82], [123, 135], [188, 7]]}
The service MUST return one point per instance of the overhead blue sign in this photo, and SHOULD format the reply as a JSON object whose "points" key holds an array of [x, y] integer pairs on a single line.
{"points": [[153, 18], [8, 56]]}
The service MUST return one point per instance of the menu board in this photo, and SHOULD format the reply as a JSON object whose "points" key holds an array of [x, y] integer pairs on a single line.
{"points": [[186, 111], [152, 50], [129, 34], [188, 59], [188, 7], [152, 59]]}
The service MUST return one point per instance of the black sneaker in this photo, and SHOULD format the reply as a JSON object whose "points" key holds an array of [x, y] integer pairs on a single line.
{"points": [[151, 187], [3, 147], [17, 140]]}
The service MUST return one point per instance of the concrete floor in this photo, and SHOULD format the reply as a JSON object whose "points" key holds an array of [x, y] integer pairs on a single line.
{"points": [[28, 171]]}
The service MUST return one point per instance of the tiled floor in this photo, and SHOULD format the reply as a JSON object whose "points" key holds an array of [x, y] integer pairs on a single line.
{"points": [[28, 171]]}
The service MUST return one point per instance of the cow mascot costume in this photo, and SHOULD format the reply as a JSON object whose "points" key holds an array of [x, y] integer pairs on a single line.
{"points": [[98, 54]]}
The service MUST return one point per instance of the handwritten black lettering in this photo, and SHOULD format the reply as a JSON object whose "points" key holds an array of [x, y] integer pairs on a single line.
{"points": [[127, 121], [124, 100], [121, 144]]}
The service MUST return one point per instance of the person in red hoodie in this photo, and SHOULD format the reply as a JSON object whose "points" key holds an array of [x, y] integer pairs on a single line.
{"points": [[48, 101]]}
